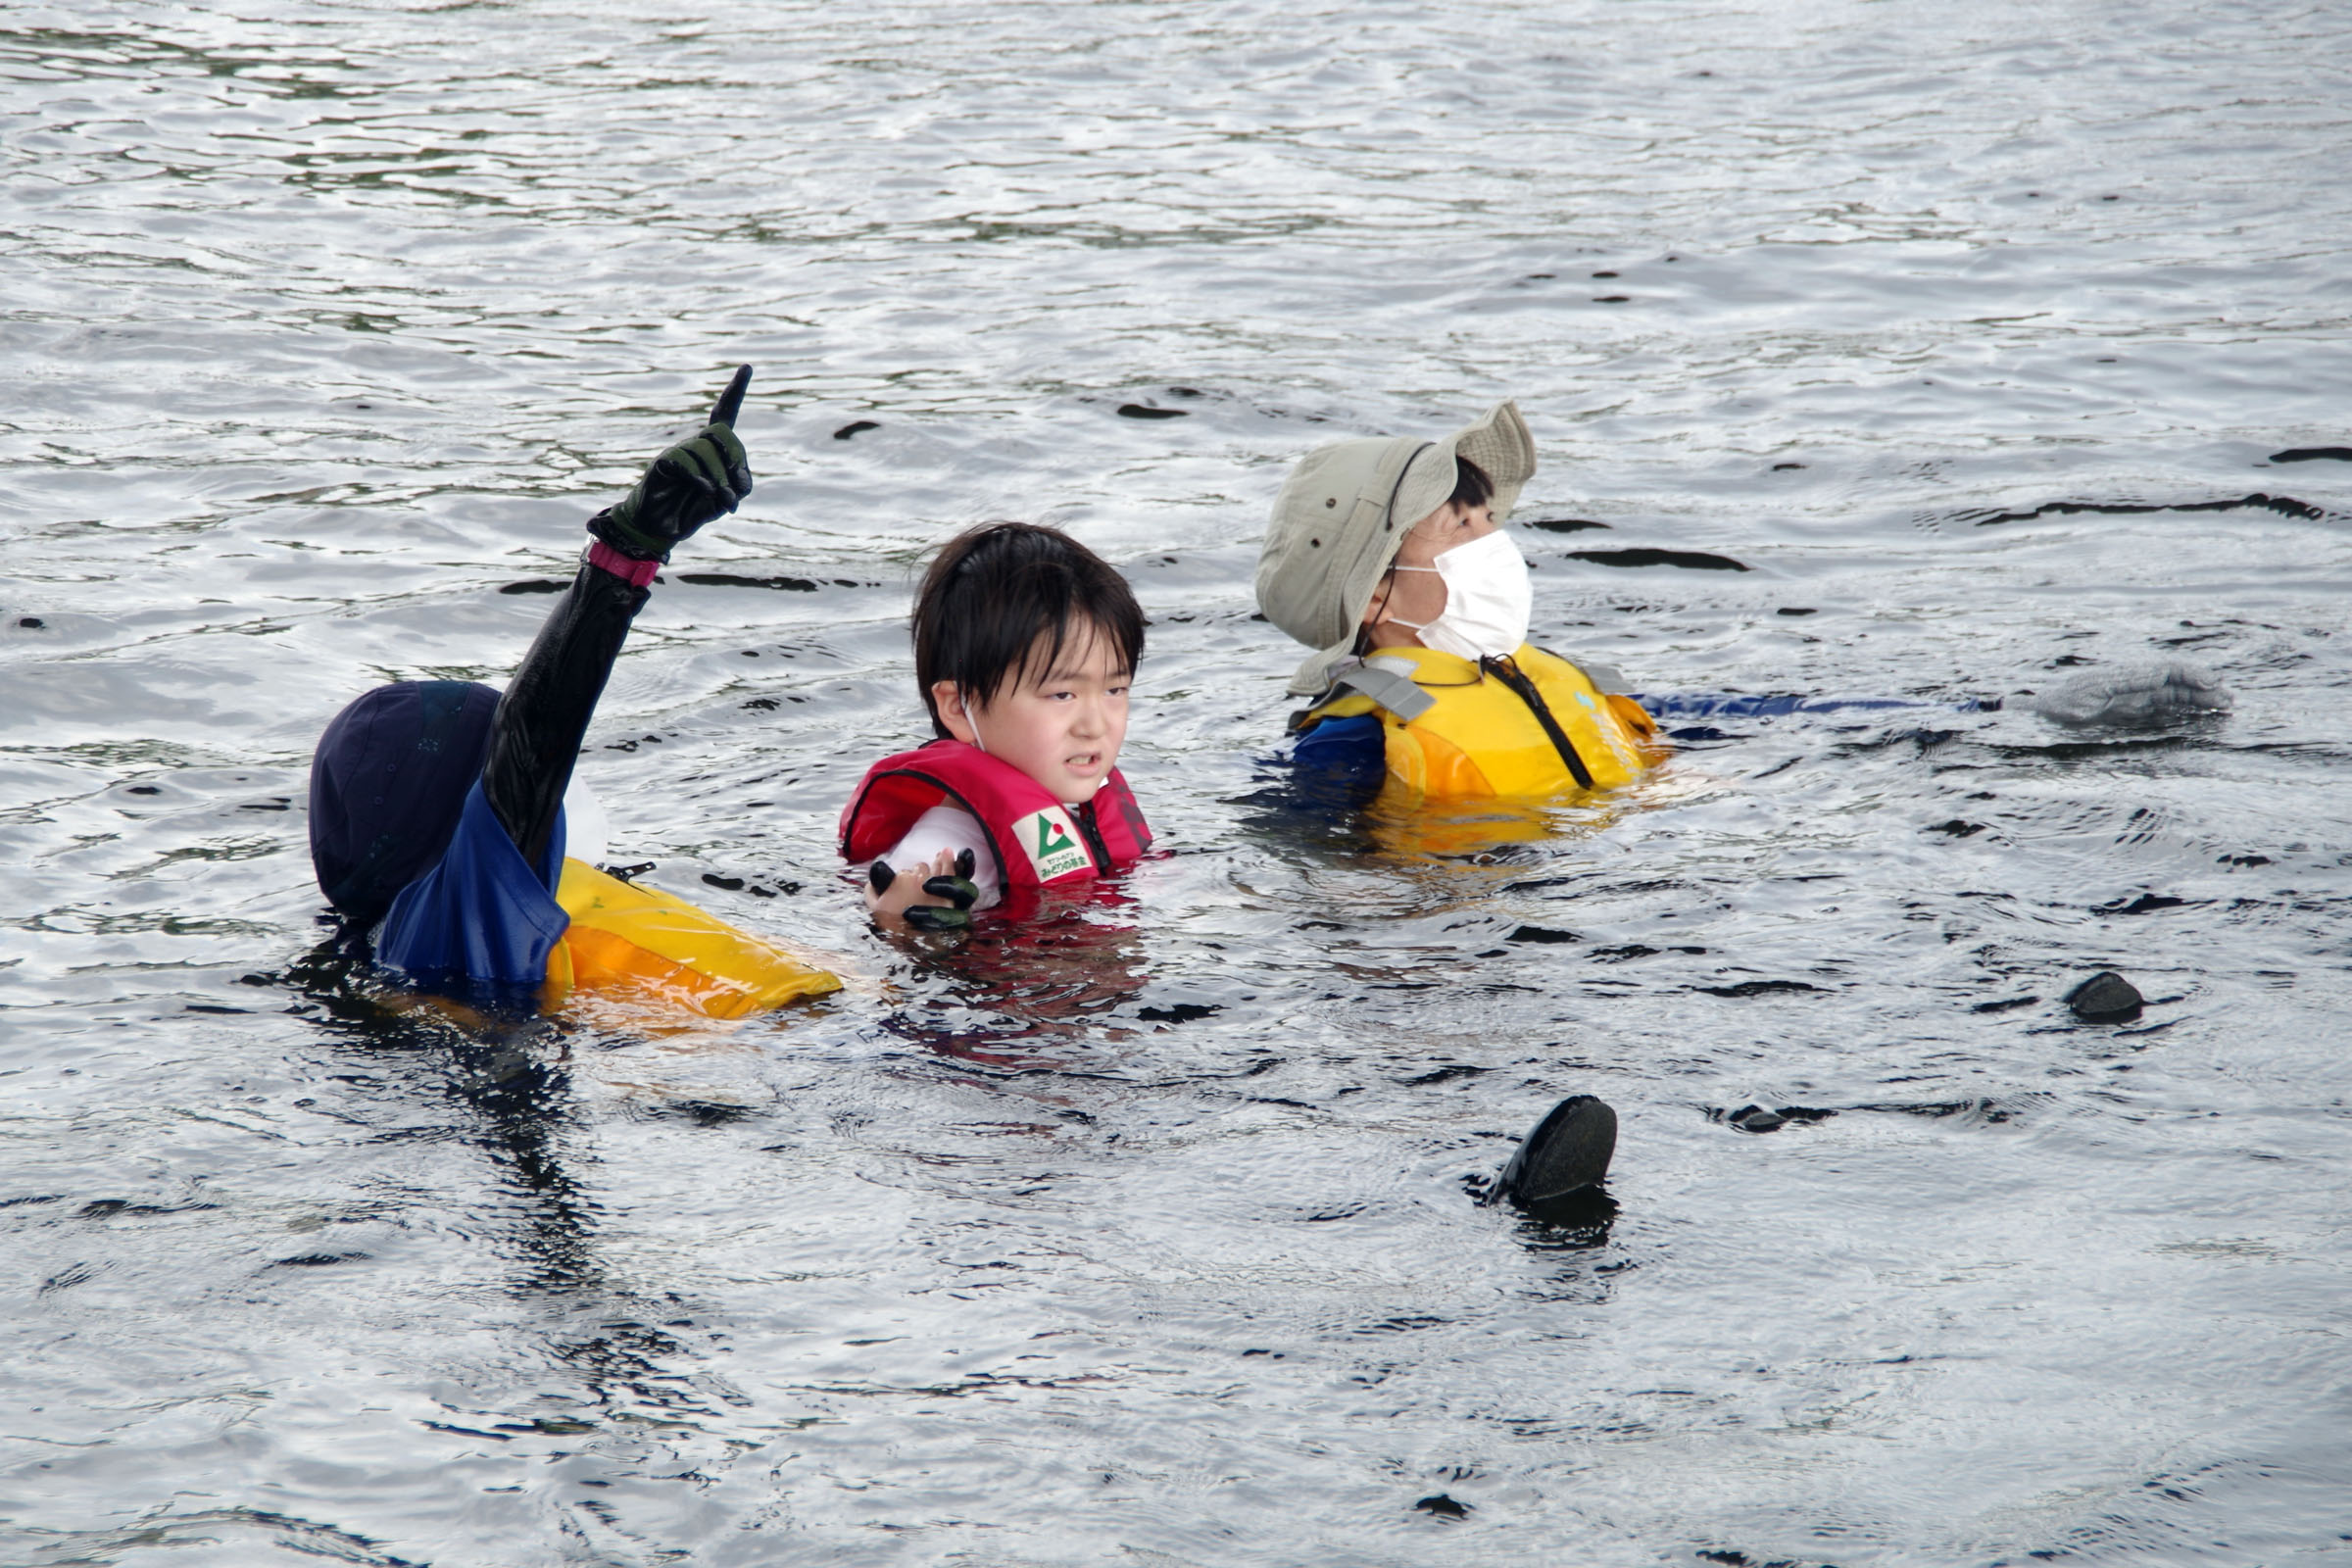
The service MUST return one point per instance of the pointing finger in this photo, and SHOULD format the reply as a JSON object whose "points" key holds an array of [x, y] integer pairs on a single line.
{"points": [[730, 402]]}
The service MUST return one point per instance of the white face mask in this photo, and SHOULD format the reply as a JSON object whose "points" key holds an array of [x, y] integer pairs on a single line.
{"points": [[1488, 598]]}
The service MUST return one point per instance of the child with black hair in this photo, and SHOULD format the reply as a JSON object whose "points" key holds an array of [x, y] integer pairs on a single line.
{"points": [[1024, 644]]}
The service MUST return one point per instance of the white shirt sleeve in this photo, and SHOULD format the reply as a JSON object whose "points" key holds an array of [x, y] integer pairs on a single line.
{"points": [[950, 828], [587, 831]]}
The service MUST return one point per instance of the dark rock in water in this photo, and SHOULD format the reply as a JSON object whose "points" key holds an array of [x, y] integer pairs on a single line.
{"points": [[31, 622], [2105, 997], [2312, 455], [2143, 694], [1444, 1507], [1568, 1150], [854, 427], [1145, 410]]}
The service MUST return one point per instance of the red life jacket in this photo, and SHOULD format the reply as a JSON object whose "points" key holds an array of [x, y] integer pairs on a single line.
{"points": [[1038, 841]]}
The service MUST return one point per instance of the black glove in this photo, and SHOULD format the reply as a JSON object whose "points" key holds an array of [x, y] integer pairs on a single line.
{"points": [[700, 479], [956, 886]]}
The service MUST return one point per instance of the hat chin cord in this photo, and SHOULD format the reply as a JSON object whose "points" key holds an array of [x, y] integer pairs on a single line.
{"points": [[1389, 512]]}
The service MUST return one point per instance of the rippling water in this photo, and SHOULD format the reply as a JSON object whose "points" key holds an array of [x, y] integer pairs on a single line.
{"points": [[1973, 334]]}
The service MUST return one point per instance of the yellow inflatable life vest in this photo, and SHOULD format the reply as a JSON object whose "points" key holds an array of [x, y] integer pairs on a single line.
{"points": [[1484, 735], [641, 944]]}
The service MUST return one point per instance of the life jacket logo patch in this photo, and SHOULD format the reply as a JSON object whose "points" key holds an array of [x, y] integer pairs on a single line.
{"points": [[1052, 844]]}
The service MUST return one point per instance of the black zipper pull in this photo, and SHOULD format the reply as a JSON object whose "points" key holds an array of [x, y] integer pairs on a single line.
{"points": [[1094, 838]]}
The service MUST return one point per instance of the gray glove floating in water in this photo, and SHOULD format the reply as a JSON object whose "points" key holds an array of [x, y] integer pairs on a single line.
{"points": [[2143, 694], [702, 477], [956, 886]]}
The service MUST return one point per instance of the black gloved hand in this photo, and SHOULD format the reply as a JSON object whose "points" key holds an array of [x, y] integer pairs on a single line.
{"points": [[960, 892], [700, 479]]}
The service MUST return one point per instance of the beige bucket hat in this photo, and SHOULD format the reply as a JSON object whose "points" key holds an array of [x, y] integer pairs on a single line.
{"points": [[1343, 513]]}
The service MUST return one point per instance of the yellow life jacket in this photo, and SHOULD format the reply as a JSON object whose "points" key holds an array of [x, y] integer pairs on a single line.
{"points": [[641, 944], [1484, 734]]}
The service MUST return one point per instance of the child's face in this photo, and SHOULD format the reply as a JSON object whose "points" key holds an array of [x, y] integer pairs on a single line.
{"points": [[1062, 726]]}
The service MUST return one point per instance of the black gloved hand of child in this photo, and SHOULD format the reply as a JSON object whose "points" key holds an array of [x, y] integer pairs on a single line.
{"points": [[702, 477], [960, 892]]}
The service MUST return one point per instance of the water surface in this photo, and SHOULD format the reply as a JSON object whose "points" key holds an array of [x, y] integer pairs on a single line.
{"points": [[1973, 336]]}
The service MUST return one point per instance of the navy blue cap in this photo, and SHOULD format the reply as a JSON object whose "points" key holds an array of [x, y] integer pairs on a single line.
{"points": [[388, 785]]}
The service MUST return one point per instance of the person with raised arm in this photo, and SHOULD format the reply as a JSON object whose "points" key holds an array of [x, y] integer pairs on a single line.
{"points": [[438, 808]]}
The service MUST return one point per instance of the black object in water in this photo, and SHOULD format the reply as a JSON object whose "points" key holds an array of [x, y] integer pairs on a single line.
{"points": [[2284, 506], [1651, 556], [1568, 1151], [2105, 997]]}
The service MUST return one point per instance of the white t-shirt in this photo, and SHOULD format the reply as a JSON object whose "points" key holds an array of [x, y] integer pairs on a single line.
{"points": [[587, 831], [950, 828]]}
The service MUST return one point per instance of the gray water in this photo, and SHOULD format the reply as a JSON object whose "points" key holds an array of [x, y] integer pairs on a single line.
{"points": [[1968, 331]]}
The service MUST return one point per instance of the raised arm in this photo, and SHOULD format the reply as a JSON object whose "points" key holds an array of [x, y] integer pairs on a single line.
{"points": [[536, 732]]}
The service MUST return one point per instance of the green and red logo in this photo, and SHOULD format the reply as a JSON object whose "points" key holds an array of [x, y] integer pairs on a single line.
{"points": [[1052, 844]]}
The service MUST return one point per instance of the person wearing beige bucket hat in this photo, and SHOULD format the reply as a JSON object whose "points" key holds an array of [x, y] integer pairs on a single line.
{"points": [[1389, 557]]}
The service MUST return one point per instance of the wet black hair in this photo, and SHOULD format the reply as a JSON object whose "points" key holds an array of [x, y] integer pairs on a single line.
{"points": [[1471, 486], [1007, 597]]}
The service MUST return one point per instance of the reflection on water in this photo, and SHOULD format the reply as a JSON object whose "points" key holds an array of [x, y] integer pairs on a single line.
{"points": [[1997, 347]]}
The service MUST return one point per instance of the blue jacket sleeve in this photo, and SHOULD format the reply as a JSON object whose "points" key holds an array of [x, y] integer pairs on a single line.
{"points": [[1340, 763], [482, 915], [1721, 705]]}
